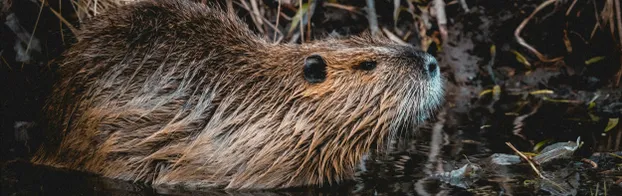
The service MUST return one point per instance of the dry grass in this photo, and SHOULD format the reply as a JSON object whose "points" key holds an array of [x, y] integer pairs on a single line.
{"points": [[267, 23]]}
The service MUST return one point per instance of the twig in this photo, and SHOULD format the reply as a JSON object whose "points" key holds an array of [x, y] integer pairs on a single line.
{"points": [[7, 63], [619, 19], [95, 8], [310, 12], [278, 15], [465, 6], [62, 19], [258, 15], [571, 6], [34, 28], [592, 163], [60, 23], [372, 17], [253, 15], [493, 55], [439, 7], [526, 159], [343, 7], [396, 12], [301, 25], [522, 42], [393, 36]]}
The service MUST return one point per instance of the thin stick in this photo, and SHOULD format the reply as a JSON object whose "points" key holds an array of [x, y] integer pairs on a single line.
{"points": [[343, 7], [522, 42], [466, 7], [7, 63], [372, 17], [571, 6], [253, 15], [258, 15], [60, 23], [393, 37], [301, 25], [34, 29], [276, 29], [526, 159], [278, 15], [619, 16], [61, 18], [310, 11], [439, 7]]}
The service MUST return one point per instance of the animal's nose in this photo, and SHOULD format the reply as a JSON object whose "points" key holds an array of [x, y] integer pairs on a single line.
{"points": [[430, 65]]}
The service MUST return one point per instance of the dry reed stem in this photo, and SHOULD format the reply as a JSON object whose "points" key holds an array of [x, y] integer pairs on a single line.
{"points": [[34, 28], [393, 37], [258, 15], [618, 6], [62, 19], [301, 25], [372, 17], [343, 7], [522, 42], [278, 14], [533, 166], [441, 18], [571, 6]]}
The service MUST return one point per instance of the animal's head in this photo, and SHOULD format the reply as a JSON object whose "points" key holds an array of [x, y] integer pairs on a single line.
{"points": [[369, 83]]}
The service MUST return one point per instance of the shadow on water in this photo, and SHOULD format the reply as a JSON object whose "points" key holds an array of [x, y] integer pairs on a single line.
{"points": [[22, 178]]}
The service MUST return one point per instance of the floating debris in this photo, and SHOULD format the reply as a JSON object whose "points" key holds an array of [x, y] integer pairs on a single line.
{"points": [[557, 151], [504, 159], [463, 177]]}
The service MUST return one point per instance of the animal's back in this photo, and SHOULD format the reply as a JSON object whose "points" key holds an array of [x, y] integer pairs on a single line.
{"points": [[139, 87]]}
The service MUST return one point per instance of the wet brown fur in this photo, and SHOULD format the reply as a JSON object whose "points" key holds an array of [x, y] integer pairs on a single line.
{"points": [[178, 93]]}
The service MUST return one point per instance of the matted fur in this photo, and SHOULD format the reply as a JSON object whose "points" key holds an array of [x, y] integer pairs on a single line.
{"points": [[177, 93]]}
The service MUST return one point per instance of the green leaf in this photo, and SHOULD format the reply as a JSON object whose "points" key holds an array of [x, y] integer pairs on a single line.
{"points": [[613, 122], [594, 60], [521, 59], [539, 145]]}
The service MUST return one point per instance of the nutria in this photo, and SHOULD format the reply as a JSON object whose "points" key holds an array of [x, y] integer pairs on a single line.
{"points": [[181, 93]]}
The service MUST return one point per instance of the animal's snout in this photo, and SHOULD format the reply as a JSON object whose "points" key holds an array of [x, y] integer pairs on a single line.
{"points": [[428, 64]]}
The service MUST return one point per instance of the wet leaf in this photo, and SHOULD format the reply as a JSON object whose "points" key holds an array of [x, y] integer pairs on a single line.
{"points": [[521, 59], [594, 60], [567, 42], [591, 105], [539, 92], [559, 100], [484, 92], [613, 122], [539, 145], [496, 92], [493, 50], [557, 151]]}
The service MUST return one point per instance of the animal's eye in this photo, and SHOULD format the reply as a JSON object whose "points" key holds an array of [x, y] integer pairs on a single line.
{"points": [[367, 65]]}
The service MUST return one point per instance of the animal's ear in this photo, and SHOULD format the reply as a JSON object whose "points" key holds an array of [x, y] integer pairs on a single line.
{"points": [[314, 69]]}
